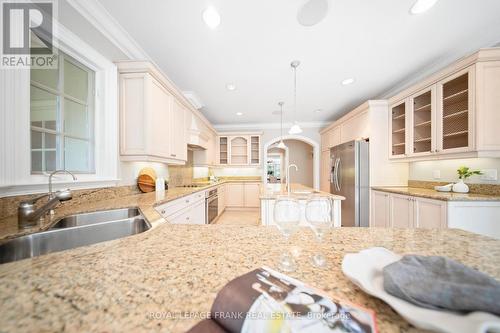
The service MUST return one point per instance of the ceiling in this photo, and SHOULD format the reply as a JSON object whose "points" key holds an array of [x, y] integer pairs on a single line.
{"points": [[377, 42]]}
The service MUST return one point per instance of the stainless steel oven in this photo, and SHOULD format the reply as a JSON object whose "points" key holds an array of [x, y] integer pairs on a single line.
{"points": [[211, 206]]}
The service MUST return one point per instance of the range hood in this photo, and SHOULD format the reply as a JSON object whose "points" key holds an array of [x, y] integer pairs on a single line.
{"points": [[197, 140]]}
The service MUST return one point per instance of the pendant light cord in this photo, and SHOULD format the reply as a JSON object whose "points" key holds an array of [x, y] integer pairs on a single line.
{"points": [[281, 120], [295, 92]]}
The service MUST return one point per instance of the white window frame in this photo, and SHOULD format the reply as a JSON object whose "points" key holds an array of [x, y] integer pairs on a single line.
{"points": [[61, 131], [15, 144]]}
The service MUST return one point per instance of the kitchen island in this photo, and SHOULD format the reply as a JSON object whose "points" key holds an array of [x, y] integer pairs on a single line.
{"points": [[165, 279], [270, 192]]}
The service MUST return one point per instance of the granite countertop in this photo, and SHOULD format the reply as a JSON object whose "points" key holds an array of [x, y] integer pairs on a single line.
{"points": [[144, 201], [433, 194], [271, 191], [150, 281]]}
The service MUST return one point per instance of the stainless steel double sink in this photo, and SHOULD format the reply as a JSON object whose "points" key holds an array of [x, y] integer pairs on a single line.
{"points": [[75, 231]]}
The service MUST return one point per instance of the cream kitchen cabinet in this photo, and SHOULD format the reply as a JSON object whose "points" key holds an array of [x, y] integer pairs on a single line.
{"points": [[151, 117], [235, 195], [380, 210], [452, 114], [252, 195], [398, 135], [330, 139], [429, 213], [195, 214], [221, 192], [188, 210], [243, 195], [403, 211], [356, 127], [325, 171], [239, 149], [178, 144]]}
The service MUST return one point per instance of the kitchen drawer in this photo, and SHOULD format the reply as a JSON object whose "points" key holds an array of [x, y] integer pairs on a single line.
{"points": [[194, 214], [177, 205]]}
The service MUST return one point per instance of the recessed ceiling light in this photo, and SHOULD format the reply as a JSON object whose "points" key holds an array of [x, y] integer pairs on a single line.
{"points": [[230, 86], [239, 113], [347, 81], [421, 6], [318, 110], [211, 17]]}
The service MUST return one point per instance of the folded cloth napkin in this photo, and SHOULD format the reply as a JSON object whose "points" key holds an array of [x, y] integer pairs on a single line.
{"points": [[441, 283]]}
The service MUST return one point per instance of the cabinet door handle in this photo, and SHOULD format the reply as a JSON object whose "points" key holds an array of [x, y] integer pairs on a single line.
{"points": [[187, 218], [163, 212], [173, 155], [187, 201]]}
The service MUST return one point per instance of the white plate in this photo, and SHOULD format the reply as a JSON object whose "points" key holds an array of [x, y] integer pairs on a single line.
{"points": [[365, 270]]}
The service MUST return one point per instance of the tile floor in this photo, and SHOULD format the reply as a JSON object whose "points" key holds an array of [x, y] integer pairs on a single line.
{"points": [[246, 217]]}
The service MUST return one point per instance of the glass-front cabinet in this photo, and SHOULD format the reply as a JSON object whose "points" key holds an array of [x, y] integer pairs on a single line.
{"points": [[239, 149], [455, 103], [435, 120], [398, 130], [255, 149], [223, 150], [422, 122]]}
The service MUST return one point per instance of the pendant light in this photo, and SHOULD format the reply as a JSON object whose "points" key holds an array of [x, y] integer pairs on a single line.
{"points": [[295, 129], [281, 144]]}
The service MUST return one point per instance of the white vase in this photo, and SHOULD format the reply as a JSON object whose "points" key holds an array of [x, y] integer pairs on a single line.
{"points": [[460, 187]]}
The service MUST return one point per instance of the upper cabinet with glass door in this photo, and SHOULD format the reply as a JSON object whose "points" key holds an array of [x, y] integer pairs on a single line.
{"points": [[397, 125], [452, 114], [422, 122], [455, 101], [239, 149]]}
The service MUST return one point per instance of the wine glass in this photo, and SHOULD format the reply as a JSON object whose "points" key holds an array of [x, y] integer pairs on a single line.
{"points": [[287, 218], [319, 216]]}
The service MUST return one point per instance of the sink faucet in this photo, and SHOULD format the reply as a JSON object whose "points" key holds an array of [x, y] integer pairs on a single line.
{"points": [[51, 194], [288, 182], [28, 216]]}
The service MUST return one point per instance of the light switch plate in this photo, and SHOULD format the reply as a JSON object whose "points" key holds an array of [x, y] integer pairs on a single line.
{"points": [[436, 174], [489, 174]]}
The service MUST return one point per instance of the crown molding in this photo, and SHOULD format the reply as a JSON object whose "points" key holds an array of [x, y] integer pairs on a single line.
{"points": [[262, 126], [94, 12], [487, 40]]}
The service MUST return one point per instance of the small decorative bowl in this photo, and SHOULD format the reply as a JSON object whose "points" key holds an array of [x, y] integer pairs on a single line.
{"points": [[444, 188]]}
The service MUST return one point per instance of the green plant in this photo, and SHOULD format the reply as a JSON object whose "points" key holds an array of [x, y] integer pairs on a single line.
{"points": [[465, 172]]}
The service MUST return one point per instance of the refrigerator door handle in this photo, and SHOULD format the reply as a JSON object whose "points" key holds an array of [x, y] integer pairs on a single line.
{"points": [[336, 175], [339, 179]]}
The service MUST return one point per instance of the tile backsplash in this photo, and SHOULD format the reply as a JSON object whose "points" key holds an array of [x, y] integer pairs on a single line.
{"points": [[181, 174]]}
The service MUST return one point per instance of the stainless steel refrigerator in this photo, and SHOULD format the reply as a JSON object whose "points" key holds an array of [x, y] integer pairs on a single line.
{"points": [[350, 177]]}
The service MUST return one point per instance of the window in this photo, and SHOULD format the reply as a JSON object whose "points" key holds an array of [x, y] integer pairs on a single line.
{"points": [[62, 117]]}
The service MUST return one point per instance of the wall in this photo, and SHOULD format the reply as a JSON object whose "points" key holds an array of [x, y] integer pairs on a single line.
{"points": [[448, 169], [130, 170], [237, 172], [301, 154]]}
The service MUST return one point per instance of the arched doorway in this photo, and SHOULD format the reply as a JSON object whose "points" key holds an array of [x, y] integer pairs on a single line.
{"points": [[316, 155]]}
